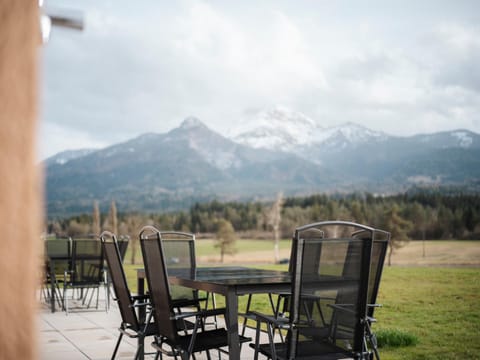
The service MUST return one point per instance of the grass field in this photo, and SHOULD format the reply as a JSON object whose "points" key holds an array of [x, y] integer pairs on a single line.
{"points": [[436, 297]]}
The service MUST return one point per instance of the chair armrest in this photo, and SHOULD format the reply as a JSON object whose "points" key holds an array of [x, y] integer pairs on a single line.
{"points": [[198, 314], [279, 322]]}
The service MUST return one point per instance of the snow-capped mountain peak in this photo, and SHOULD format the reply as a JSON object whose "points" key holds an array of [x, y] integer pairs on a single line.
{"points": [[282, 129], [348, 133], [276, 128], [191, 122]]}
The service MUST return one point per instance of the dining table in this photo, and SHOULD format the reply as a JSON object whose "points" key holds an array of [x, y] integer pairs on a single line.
{"points": [[229, 281]]}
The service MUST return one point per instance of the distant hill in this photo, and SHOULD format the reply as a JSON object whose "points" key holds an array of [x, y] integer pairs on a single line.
{"points": [[156, 172]]}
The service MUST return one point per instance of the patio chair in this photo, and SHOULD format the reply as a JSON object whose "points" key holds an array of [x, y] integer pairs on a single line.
{"points": [[58, 258], [130, 326], [86, 272], [329, 297], [168, 336], [281, 306], [122, 243], [379, 251], [179, 250]]}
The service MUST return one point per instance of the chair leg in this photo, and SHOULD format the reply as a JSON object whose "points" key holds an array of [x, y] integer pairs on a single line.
{"points": [[98, 295], [372, 339], [117, 345], [107, 297], [272, 342], [247, 310], [65, 300], [257, 341]]}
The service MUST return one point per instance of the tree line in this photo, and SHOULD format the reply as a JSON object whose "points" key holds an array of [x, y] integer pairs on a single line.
{"points": [[419, 216]]}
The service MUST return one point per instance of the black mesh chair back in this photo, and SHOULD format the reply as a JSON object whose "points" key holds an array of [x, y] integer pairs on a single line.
{"points": [[157, 281], [87, 262], [338, 279], [58, 255], [179, 250], [117, 275], [123, 246], [86, 271], [58, 260]]}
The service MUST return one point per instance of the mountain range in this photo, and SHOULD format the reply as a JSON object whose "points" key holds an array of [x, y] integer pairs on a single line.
{"points": [[279, 150]]}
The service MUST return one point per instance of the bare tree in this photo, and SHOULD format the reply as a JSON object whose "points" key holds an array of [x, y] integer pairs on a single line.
{"points": [[225, 238], [111, 222], [96, 219], [133, 224], [399, 228], [113, 217], [274, 219]]}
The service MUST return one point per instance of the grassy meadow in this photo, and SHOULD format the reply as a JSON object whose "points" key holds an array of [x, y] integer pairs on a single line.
{"points": [[435, 297]]}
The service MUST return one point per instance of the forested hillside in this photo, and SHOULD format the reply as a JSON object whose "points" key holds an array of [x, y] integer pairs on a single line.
{"points": [[413, 215]]}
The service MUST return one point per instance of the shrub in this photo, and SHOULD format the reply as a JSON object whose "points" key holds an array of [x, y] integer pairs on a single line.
{"points": [[395, 338]]}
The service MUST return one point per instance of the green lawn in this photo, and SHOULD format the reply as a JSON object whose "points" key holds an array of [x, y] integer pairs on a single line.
{"points": [[441, 306]]}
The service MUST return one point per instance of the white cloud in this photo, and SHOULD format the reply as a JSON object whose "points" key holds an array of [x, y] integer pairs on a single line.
{"points": [[54, 138], [145, 66]]}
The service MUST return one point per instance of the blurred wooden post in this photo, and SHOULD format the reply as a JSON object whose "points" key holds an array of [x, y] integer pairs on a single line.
{"points": [[20, 188]]}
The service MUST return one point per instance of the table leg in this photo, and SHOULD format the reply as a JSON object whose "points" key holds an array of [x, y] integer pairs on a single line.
{"points": [[141, 319], [231, 319]]}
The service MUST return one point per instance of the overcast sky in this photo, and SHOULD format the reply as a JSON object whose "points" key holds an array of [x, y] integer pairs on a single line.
{"points": [[402, 67]]}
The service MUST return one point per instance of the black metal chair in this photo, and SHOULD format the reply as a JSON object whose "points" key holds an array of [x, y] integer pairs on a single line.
{"points": [[281, 307], [86, 272], [180, 343], [379, 251], [131, 325], [328, 298], [179, 250], [58, 258]]}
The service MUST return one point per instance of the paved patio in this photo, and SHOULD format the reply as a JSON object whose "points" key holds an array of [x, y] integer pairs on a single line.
{"points": [[92, 334]]}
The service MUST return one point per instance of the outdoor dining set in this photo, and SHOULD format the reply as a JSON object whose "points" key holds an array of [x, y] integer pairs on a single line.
{"points": [[321, 308]]}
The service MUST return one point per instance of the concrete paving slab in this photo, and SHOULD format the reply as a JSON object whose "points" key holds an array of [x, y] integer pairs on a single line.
{"points": [[93, 334]]}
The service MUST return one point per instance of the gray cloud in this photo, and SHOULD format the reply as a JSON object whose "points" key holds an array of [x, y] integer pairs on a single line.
{"points": [[401, 67]]}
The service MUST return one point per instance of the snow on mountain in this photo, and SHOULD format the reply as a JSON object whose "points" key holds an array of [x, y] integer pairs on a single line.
{"points": [[211, 146], [464, 139], [277, 128], [68, 155], [280, 128], [348, 134]]}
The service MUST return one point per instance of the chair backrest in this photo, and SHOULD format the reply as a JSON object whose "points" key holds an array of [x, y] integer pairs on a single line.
{"points": [[87, 261], [123, 246], [337, 276], [58, 255], [179, 250], [157, 280], [117, 275], [379, 251]]}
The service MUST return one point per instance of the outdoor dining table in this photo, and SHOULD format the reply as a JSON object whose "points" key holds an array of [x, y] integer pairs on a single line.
{"points": [[230, 282]]}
